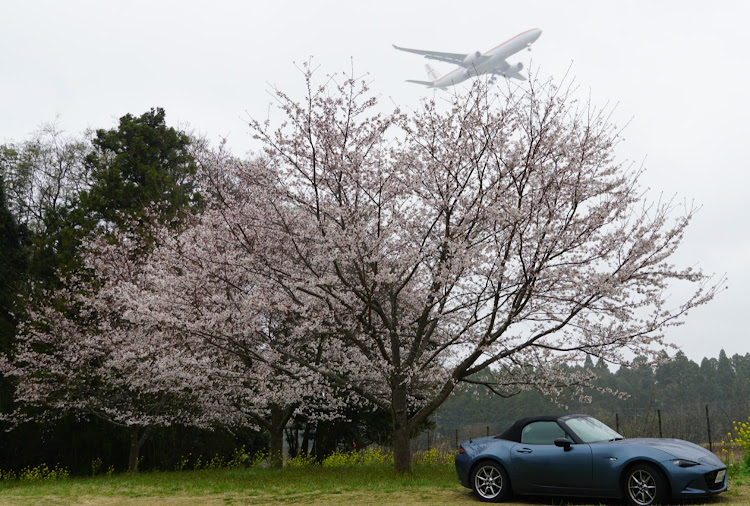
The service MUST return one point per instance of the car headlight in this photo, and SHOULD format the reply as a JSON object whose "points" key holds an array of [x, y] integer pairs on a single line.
{"points": [[683, 463]]}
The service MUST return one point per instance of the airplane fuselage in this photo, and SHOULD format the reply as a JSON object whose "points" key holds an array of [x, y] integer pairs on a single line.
{"points": [[491, 61]]}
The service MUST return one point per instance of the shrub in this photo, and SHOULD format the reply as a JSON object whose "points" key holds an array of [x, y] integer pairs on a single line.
{"points": [[741, 437], [240, 459], [260, 459], [8, 475], [368, 456], [96, 466], [198, 463], [433, 456], [42, 472], [182, 462], [216, 462], [301, 460], [375, 456], [340, 459]]}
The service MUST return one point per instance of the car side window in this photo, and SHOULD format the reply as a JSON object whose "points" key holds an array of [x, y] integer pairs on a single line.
{"points": [[542, 433]]}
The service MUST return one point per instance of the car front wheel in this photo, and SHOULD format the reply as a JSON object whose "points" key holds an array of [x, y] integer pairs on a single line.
{"points": [[490, 482], [645, 486]]}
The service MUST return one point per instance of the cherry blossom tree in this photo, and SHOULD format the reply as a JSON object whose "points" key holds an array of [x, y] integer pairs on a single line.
{"points": [[485, 229], [172, 329], [200, 283], [78, 354]]}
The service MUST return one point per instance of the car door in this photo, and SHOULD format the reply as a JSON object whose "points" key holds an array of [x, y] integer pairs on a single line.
{"points": [[541, 467]]}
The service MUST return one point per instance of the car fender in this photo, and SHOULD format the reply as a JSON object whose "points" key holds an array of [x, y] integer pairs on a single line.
{"points": [[612, 460], [497, 451]]}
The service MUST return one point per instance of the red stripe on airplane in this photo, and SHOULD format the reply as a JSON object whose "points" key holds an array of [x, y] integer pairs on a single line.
{"points": [[512, 38]]}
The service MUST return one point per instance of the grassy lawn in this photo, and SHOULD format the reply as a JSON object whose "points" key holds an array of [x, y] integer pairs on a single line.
{"points": [[431, 484]]}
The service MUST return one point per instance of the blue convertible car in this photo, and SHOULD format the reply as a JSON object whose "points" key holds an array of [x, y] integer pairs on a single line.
{"points": [[577, 455]]}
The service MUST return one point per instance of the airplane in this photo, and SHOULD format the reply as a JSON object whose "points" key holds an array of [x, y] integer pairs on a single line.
{"points": [[477, 64]]}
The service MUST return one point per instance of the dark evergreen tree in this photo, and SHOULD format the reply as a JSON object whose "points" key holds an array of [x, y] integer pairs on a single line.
{"points": [[741, 365], [676, 379], [707, 387], [725, 379], [142, 164]]}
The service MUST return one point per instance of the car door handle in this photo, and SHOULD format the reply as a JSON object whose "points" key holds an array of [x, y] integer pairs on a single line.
{"points": [[524, 450]]}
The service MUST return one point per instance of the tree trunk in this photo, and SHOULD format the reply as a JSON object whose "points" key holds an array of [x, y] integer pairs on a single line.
{"points": [[305, 449], [277, 448], [279, 418], [136, 440], [401, 431], [292, 441]]}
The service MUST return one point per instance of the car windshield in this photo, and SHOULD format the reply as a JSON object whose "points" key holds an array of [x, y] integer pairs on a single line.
{"points": [[590, 429]]}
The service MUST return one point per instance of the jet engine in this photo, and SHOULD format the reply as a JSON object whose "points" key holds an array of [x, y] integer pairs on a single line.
{"points": [[472, 57]]}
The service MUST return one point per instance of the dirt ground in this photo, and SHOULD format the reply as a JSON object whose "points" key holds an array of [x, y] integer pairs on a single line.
{"points": [[737, 495]]}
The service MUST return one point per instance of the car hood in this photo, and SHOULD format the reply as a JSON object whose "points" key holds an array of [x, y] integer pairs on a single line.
{"points": [[678, 448]]}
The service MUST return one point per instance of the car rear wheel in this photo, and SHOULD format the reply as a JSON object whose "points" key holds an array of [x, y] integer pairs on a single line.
{"points": [[645, 486], [490, 482]]}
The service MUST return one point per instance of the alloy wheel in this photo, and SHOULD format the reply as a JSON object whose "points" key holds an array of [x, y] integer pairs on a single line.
{"points": [[642, 487], [488, 482]]}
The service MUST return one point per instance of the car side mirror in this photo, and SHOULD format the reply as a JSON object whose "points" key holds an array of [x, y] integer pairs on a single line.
{"points": [[563, 442]]}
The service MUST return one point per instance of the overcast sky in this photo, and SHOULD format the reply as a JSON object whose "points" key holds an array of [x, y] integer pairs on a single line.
{"points": [[678, 70]]}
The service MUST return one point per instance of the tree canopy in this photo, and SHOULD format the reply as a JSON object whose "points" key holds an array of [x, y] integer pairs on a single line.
{"points": [[141, 165]]}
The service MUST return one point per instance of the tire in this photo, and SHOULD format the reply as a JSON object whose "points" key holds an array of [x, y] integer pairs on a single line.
{"points": [[490, 482], [645, 485]]}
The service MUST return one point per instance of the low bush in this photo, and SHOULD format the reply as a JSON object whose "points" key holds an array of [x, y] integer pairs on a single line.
{"points": [[301, 460], [379, 456], [240, 459], [740, 438], [368, 456], [42, 472], [433, 456]]}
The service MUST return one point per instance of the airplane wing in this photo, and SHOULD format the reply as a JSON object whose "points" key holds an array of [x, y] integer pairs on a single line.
{"points": [[456, 58], [429, 84]]}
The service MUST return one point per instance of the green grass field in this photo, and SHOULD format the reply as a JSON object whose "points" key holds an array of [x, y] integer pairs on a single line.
{"points": [[377, 484]]}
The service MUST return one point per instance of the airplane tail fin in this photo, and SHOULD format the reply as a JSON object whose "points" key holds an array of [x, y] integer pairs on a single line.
{"points": [[431, 72]]}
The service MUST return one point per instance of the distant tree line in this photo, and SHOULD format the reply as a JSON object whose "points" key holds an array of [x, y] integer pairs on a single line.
{"points": [[678, 389]]}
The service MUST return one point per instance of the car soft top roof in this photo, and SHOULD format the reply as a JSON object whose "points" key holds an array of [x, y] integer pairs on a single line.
{"points": [[514, 432]]}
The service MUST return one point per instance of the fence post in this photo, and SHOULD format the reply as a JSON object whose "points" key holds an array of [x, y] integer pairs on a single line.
{"points": [[708, 427], [428, 441], [456, 438], [658, 413], [488, 431], [617, 423]]}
